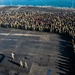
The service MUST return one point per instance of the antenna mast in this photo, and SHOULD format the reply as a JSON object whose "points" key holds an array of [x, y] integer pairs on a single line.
{"points": [[72, 3], [11, 2]]}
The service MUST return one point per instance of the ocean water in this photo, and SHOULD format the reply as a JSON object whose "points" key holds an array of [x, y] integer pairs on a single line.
{"points": [[54, 3]]}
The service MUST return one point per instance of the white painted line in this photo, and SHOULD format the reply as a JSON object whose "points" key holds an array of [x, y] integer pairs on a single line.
{"points": [[16, 34], [4, 33], [6, 39], [18, 8]]}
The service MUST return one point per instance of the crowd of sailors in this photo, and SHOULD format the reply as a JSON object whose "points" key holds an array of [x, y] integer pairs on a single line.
{"points": [[55, 22], [62, 22]]}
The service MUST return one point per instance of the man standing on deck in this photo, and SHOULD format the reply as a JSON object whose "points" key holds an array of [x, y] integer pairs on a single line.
{"points": [[48, 72], [12, 54]]}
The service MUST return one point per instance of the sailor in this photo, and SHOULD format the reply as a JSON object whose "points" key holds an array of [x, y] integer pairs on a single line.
{"points": [[48, 72], [21, 64], [12, 54], [26, 66]]}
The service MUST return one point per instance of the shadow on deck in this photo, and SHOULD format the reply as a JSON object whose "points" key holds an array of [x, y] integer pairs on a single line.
{"points": [[1, 57], [65, 62], [14, 62]]}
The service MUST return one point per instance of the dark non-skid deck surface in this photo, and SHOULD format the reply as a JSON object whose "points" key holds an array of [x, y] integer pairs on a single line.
{"points": [[34, 9], [41, 51]]}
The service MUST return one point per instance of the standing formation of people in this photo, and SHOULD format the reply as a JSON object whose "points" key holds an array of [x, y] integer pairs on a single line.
{"points": [[62, 22]]}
